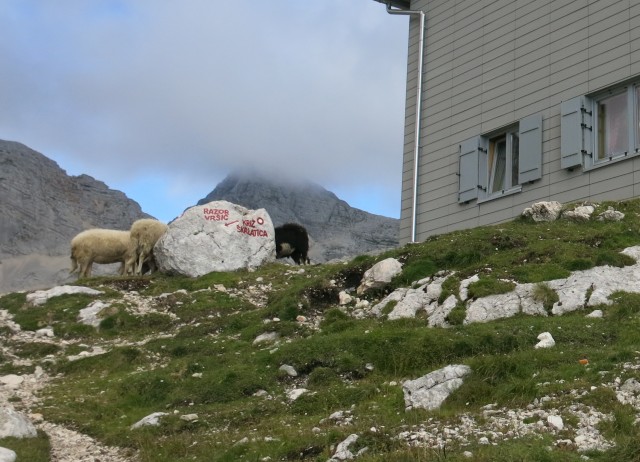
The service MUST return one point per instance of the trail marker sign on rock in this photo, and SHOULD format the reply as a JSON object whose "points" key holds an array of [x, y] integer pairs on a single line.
{"points": [[218, 236]]}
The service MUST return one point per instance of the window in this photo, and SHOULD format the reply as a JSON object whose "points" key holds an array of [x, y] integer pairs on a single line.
{"points": [[503, 162], [496, 164], [600, 128], [612, 132]]}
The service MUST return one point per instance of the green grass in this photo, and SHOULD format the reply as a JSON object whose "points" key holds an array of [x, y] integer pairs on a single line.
{"points": [[207, 363], [32, 449]]}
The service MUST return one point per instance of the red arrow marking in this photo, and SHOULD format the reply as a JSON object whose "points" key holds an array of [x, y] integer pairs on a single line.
{"points": [[230, 223]]}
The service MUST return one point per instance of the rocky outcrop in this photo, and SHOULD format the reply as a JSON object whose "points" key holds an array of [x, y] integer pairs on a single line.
{"points": [[42, 208], [336, 230]]}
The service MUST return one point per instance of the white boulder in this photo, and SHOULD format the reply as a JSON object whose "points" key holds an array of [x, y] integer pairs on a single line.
{"points": [[218, 236], [12, 381], [7, 455], [546, 340], [15, 424], [89, 315], [580, 213], [543, 211], [379, 274], [151, 419], [610, 215], [430, 391]]}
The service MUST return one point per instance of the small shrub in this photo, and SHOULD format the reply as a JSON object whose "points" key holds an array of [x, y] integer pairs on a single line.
{"points": [[416, 270], [544, 294], [322, 295], [450, 286], [322, 376], [336, 321], [612, 258], [457, 315], [36, 349], [539, 272], [578, 264], [388, 308], [490, 286]]}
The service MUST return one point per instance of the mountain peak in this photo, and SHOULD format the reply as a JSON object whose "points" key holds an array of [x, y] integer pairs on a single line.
{"points": [[337, 229]]}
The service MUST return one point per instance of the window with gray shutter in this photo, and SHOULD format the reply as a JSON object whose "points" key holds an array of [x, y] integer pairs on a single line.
{"points": [[497, 164], [530, 164], [572, 127], [468, 169]]}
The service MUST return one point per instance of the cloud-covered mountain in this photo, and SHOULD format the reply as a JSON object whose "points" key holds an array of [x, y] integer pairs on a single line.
{"points": [[336, 229]]}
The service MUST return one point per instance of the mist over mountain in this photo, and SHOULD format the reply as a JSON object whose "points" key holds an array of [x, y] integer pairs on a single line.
{"points": [[336, 229]]}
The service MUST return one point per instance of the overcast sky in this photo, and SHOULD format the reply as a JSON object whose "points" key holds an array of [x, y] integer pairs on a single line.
{"points": [[161, 99]]}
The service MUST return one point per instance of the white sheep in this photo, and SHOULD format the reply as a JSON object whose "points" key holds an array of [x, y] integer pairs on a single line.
{"points": [[98, 245], [144, 235]]}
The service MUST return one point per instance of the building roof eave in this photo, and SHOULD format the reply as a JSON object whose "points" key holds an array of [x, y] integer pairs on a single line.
{"points": [[402, 4]]}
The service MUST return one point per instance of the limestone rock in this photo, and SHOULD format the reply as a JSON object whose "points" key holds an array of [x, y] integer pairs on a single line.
{"points": [[218, 236], [555, 421], [546, 340], [296, 393], [267, 337], [15, 424], [342, 450], [580, 213], [151, 419], [40, 297], [379, 274], [543, 211], [7, 455], [289, 370], [430, 391], [610, 215], [344, 298], [12, 381], [89, 315]]}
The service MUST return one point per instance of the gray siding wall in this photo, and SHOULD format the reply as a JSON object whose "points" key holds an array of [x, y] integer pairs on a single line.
{"points": [[488, 64]]}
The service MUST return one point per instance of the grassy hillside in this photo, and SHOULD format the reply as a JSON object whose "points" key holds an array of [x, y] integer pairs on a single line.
{"points": [[186, 346]]}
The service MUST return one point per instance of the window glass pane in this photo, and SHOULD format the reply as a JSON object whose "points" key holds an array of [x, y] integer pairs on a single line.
{"points": [[515, 159], [498, 154], [612, 126]]}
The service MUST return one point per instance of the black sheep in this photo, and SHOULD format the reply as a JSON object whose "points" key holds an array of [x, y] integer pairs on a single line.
{"points": [[292, 241]]}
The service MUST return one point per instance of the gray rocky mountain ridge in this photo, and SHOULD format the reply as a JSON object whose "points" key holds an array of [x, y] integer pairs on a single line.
{"points": [[42, 208]]}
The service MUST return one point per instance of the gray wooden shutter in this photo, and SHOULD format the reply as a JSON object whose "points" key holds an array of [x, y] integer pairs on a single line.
{"points": [[530, 162], [468, 173], [572, 142]]}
